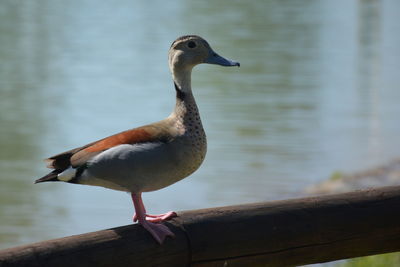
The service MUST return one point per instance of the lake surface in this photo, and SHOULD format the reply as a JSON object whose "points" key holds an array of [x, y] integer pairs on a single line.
{"points": [[318, 91]]}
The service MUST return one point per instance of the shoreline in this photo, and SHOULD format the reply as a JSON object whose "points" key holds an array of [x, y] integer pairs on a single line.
{"points": [[384, 175]]}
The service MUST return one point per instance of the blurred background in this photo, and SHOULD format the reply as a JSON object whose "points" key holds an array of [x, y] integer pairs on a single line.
{"points": [[317, 92]]}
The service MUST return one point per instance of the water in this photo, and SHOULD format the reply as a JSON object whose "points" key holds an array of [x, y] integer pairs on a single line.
{"points": [[317, 92]]}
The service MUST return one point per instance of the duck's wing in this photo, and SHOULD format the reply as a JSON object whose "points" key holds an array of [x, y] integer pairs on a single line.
{"points": [[78, 157], [135, 136]]}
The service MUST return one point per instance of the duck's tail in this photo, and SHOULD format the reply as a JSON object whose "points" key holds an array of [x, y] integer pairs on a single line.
{"points": [[51, 177]]}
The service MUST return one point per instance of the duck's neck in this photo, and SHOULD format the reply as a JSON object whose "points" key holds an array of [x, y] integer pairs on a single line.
{"points": [[185, 107], [183, 79]]}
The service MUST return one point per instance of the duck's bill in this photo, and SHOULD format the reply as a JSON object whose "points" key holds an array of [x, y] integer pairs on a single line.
{"points": [[216, 59]]}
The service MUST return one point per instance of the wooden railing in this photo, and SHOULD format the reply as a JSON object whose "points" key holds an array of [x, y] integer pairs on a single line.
{"points": [[278, 233]]}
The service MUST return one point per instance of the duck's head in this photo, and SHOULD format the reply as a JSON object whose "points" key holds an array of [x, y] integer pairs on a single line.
{"points": [[190, 50]]}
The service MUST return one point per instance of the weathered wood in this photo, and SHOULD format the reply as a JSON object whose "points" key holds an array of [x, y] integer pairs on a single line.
{"points": [[278, 233]]}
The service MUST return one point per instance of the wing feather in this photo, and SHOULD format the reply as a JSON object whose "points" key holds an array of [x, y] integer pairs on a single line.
{"points": [[79, 156]]}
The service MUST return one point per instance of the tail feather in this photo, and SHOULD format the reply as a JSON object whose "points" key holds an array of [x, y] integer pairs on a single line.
{"points": [[60, 163], [51, 177]]}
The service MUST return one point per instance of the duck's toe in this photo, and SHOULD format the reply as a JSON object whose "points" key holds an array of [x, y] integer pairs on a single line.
{"points": [[158, 231], [158, 217]]}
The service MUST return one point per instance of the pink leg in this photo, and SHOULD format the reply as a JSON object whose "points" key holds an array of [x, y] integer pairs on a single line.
{"points": [[158, 231], [158, 217], [154, 218]]}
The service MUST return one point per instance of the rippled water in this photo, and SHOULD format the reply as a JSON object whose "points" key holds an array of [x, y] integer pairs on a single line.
{"points": [[317, 92]]}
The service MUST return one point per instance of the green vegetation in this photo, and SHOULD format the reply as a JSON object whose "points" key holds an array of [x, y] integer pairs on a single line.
{"points": [[336, 175], [383, 260]]}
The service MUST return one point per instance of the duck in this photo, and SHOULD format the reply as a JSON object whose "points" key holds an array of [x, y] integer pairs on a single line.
{"points": [[152, 156]]}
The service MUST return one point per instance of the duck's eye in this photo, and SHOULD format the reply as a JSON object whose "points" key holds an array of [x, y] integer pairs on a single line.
{"points": [[191, 44]]}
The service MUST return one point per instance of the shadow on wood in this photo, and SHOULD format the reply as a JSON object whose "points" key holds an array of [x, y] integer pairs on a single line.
{"points": [[278, 233]]}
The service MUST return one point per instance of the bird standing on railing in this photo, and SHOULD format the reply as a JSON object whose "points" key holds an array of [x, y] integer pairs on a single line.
{"points": [[153, 156]]}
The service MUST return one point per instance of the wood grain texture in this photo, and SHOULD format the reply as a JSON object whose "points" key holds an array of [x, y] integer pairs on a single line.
{"points": [[278, 233]]}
